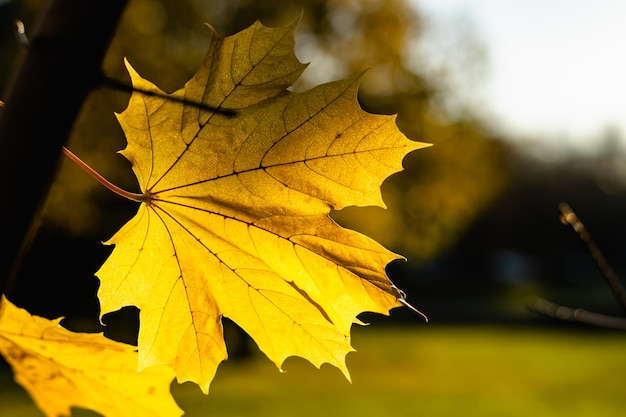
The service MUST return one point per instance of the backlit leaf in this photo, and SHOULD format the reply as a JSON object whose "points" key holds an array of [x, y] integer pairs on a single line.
{"points": [[61, 369], [235, 221]]}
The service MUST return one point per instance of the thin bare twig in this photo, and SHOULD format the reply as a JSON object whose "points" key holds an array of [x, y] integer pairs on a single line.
{"points": [[579, 315], [122, 86], [561, 312], [569, 217]]}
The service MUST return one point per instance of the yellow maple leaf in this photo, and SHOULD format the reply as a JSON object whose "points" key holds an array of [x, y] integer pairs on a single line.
{"points": [[234, 220], [61, 369]]}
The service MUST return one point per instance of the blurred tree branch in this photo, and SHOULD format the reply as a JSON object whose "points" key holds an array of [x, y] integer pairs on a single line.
{"points": [[580, 315], [561, 312], [569, 217]]}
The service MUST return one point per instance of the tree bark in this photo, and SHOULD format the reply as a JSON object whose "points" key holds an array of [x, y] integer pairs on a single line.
{"points": [[62, 64]]}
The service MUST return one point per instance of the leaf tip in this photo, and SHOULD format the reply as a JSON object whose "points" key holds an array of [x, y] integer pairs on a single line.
{"points": [[401, 298]]}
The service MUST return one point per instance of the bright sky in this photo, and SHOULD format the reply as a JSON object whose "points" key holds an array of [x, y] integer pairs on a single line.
{"points": [[556, 67]]}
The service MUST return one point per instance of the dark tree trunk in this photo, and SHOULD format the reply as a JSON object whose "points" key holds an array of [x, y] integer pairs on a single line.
{"points": [[62, 64]]}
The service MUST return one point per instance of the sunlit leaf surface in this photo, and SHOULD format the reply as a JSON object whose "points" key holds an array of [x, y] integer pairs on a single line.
{"points": [[234, 221], [61, 369]]}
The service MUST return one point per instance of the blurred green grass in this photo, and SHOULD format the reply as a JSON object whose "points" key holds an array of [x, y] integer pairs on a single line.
{"points": [[422, 370]]}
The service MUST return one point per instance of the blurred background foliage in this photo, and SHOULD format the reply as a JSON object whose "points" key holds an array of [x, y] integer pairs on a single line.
{"points": [[475, 214]]}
